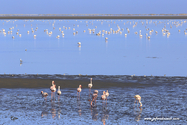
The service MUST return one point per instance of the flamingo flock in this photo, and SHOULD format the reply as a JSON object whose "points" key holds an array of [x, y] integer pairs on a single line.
{"points": [[79, 89]]}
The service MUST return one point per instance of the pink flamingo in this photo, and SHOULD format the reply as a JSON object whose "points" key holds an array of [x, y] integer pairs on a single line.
{"points": [[44, 94], [103, 97], [90, 86], [138, 98], [53, 89], [107, 94], [94, 97], [79, 90]]}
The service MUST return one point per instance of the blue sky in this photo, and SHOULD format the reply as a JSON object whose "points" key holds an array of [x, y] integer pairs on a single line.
{"points": [[93, 7]]}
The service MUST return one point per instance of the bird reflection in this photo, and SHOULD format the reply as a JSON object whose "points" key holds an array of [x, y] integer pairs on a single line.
{"points": [[59, 112], [137, 112], [44, 114], [94, 114], [104, 115], [53, 110], [79, 47], [79, 107]]}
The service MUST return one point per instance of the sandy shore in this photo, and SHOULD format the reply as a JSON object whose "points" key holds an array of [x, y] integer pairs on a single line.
{"points": [[46, 83], [93, 17]]}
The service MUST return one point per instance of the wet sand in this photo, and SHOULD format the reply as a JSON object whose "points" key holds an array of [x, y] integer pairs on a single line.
{"points": [[21, 100], [46, 83], [73, 81], [93, 17]]}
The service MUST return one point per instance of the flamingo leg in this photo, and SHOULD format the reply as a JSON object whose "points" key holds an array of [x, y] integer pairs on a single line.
{"points": [[51, 96], [106, 100]]}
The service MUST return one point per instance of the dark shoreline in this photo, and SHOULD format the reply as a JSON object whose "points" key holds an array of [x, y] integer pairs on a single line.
{"points": [[93, 17], [46, 83], [99, 81]]}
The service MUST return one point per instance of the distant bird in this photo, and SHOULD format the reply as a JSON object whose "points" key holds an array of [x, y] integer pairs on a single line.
{"points": [[44, 94], [34, 36], [103, 97], [79, 43], [94, 97], [107, 94], [79, 90], [58, 36], [21, 61], [90, 85], [53, 90], [59, 92], [13, 37], [96, 91], [138, 98]]}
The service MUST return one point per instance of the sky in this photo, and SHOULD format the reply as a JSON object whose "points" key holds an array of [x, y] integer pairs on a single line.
{"points": [[93, 6]]}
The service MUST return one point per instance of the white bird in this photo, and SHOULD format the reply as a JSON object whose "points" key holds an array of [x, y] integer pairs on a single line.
{"points": [[90, 84], [79, 90], [79, 43], [59, 92], [44, 94], [21, 61], [103, 97], [107, 94], [96, 91], [58, 36], [138, 98], [53, 89], [94, 97]]}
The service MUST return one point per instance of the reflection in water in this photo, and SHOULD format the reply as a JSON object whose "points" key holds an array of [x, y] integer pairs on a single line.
{"points": [[94, 113], [79, 107], [105, 115], [44, 114], [53, 110], [59, 112], [137, 112]]}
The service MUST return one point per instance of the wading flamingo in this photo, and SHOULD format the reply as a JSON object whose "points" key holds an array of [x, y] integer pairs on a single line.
{"points": [[44, 94], [138, 98], [94, 97], [58, 92], [79, 90], [90, 86], [107, 94], [53, 90]]}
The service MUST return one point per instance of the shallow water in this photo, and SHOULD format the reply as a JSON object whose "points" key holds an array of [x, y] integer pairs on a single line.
{"points": [[119, 55], [161, 97]]}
